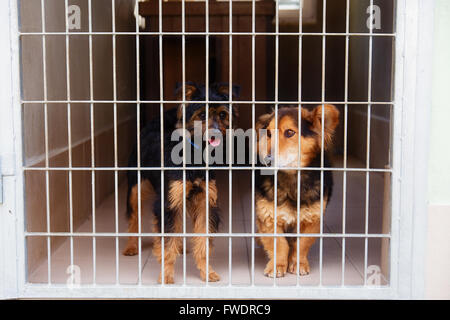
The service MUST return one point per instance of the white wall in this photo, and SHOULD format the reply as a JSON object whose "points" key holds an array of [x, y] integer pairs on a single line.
{"points": [[437, 282], [33, 114]]}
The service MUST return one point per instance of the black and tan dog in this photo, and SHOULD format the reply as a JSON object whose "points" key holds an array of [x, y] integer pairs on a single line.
{"points": [[195, 189], [310, 183]]}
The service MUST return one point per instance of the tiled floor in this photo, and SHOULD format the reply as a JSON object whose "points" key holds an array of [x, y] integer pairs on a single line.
{"points": [[241, 247]]}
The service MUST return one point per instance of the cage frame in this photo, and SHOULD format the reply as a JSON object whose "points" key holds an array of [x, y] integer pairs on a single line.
{"points": [[413, 53]]}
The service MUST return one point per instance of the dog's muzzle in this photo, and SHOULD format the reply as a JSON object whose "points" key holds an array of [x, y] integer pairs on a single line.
{"points": [[215, 137], [268, 160]]}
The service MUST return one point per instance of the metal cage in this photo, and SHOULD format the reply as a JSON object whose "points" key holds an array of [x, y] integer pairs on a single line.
{"points": [[413, 21]]}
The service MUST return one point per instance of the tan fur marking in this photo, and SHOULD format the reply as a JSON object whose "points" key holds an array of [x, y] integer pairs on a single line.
{"points": [[133, 226], [331, 120], [175, 196], [197, 210], [287, 219], [172, 245]]}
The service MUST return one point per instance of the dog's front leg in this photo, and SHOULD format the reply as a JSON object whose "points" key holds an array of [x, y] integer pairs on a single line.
{"points": [[198, 212], [282, 247], [173, 218]]}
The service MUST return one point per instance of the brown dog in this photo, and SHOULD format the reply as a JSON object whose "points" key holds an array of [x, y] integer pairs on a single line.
{"points": [[310, 183]]}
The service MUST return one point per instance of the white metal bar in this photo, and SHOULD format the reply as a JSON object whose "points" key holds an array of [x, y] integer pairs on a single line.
{"points": [[207, 137], [369, 98], [47, 178], [275, 187], [246, 102], [116, 178], [138, 129], [202, 168], [253, 155], [300, 55], [69, 130], [219, 235], [161, 114], [91, 97], [344, 178], [324, 26], [230, 172], [191, 33], [183, 73]]}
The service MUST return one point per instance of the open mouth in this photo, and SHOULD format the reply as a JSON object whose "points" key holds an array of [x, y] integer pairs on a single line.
{"points": [[214, 141]]}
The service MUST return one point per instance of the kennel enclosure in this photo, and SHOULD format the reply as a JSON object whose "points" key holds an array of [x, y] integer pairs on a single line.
{"points": [[55, 178]]}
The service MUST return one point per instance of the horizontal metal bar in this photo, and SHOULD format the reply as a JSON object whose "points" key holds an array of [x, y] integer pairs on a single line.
{"points": [[216, 235], [203, 168], [156, 33], [249, 102]]}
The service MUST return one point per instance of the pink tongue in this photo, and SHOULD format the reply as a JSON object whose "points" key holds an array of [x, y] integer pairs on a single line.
{"points": [[214, 142]]}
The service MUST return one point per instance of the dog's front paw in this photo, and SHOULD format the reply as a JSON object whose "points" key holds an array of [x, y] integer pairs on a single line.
{"points": [[213, 276], [130, 250], [168, 278], [292, 267], [304, 268], [280, 271]]}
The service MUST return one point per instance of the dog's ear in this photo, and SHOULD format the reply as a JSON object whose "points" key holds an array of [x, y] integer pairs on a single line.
{"points": [[330, 121], [224, 88], [235, 111], [190, 89], [263, 122]]}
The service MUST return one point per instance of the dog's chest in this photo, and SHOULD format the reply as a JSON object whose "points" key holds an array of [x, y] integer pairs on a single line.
{"points": [[286, 214]]}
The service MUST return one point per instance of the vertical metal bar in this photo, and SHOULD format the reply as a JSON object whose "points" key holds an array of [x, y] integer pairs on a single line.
{"points": [[230, 172], [116, 178], [91, 96], [369, 109], [253, 145], [69, 130], [183, 72], [138, 129], [47, 178], [207, 135], [324, 29], [300, 55], [161, 114], [277, 21], [344, 178]]}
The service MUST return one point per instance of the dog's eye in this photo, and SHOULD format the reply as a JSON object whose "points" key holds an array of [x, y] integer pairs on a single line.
{"points": [[289, 133], [202, 115], [222, 115]]}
